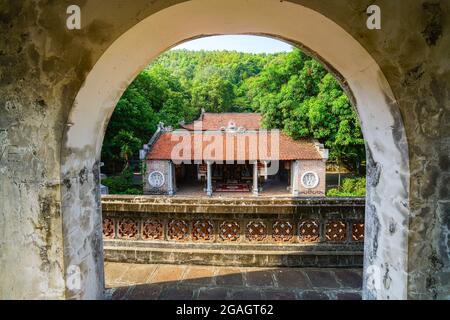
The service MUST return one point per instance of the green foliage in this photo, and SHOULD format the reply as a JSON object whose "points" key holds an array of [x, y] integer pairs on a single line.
{"points": [[212, 91], [292, 91], [155, 95], [296, 94], [351, 187], [122, 184]]}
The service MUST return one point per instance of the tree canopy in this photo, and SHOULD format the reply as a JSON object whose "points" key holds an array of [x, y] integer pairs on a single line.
{"points": [[292, 91]]}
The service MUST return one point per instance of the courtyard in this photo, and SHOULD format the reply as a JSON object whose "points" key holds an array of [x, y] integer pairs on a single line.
{"points": [[127, 281]]}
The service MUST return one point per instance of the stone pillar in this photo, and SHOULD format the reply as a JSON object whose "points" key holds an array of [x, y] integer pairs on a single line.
{"points": [[265, 170], [295, 168], [255, 178], [209, 179], [170, 179], [174, 183]]}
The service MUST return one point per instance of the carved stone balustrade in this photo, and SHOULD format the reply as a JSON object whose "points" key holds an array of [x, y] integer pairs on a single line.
{"points": [[323, 232]]}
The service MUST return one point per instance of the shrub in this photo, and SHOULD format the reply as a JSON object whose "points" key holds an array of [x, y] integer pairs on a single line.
{"points": [[122, 184], [351, 187]]}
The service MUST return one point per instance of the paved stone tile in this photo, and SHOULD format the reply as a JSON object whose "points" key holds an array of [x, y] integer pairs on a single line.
{"points": [[313, 295], [225, 283], [279, 295], [177, 293], [229, 277], [322, 279], [114, 272], [348, 296], [199, 275], [247, 294], [292, 278], [145, 292], [217, 293], [167, 273], [138, 273], [259, 278], [349, 278]]}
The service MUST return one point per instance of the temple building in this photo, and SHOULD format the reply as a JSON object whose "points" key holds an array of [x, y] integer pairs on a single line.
{"points": [[231, 152]]}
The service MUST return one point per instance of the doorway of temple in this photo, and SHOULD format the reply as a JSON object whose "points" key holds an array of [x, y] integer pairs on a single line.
{"points": [[232, 177]]}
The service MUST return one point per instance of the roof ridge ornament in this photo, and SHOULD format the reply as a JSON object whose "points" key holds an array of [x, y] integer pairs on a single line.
{"points": [[321, 149], [231, 126]]}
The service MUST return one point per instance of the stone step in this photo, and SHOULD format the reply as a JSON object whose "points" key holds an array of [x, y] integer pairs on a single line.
{"points": [[236, 256]]}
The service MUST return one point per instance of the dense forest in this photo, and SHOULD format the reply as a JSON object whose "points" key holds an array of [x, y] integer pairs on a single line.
{"points": [[292, 91]]}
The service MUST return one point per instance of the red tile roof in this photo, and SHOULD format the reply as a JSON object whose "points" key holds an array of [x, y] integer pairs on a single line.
{"points": [[216, 121], [252, 145]]}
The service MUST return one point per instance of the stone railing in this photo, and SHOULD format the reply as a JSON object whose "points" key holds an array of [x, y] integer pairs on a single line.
{"points": [[251, 231]]}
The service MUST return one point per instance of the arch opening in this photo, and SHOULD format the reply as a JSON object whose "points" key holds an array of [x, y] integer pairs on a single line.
{"points": [[387, 156]]}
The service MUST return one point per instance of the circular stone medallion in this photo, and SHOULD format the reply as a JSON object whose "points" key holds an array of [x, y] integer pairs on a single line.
{"points": [[310, 179], [156, 179]]}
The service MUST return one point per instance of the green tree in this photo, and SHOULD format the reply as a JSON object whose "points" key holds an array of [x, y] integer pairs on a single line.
{"points": [[155, 95], [351, 187], [133, 118], [213, 91], [128, 144]]}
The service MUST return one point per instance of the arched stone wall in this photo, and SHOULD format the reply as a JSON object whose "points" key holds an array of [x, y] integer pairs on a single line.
{"points": [[387, 209]]}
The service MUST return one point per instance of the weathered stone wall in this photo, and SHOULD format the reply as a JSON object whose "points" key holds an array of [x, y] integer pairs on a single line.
{"points": [[43, 66], [412, 49]]}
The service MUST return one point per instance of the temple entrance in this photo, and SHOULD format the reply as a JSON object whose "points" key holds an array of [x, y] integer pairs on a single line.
{"points": [[232, 177], [279, 184], [186, 175], [191, 179]]}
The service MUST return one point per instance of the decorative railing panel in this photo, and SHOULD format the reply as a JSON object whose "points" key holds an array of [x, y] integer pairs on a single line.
{"points": [[303, 225], [315, 221]]}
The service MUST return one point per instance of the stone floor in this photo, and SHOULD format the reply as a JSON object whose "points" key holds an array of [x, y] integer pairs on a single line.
{"points": [[187, 282]]}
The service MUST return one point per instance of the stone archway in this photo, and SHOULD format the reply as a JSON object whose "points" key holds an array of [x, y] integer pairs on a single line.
{"points": [[387, 208]]}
